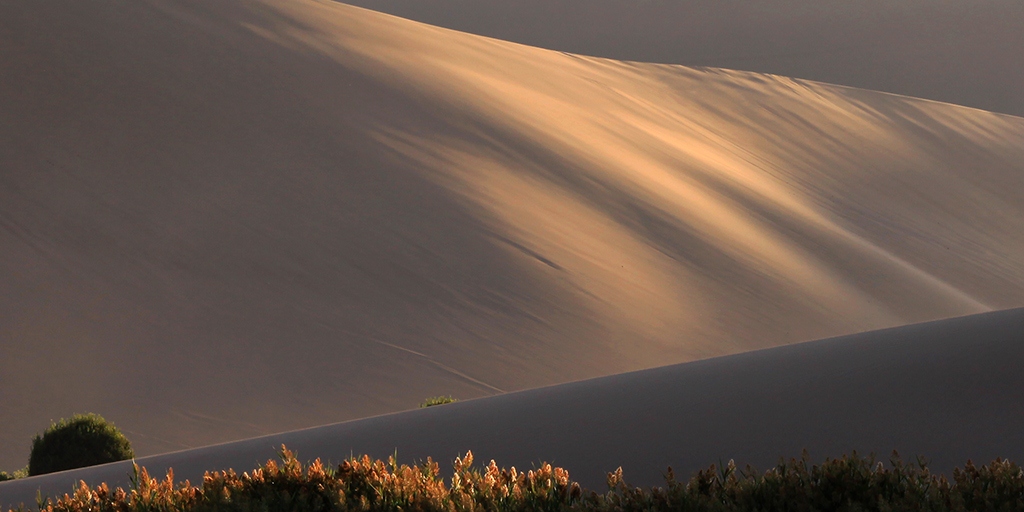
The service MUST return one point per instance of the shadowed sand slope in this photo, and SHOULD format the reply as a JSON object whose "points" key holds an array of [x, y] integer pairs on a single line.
{"points": [[223, 220], [949, 390], [949, 50]]}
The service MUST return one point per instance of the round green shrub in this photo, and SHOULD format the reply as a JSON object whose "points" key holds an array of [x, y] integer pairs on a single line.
{"points": [[84, 440]]}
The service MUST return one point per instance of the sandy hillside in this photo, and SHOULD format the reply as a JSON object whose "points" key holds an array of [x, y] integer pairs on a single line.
{"points": [[948, 390], [223, 220], [948, 50]]}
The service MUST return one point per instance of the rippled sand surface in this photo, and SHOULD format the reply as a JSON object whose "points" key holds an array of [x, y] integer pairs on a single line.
{"points": [[224, 220]]}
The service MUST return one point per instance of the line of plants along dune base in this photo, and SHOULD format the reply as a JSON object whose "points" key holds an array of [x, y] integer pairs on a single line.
{"points": [[852, 483]]}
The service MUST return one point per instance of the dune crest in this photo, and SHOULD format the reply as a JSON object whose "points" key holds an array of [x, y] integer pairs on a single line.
{"points": [[225, 220], [946, 50]]}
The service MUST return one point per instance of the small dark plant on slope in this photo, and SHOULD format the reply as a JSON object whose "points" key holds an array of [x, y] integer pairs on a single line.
{"points": [[438, 400], [21, 473], [83, 440]]}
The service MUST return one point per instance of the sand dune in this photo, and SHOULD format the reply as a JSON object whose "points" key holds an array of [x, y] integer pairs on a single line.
{"points": [[958, 52], [224, 220], [949, 390]]}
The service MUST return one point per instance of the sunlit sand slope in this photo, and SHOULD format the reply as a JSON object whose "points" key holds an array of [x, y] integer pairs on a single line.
{"points": [[949, 390], [966, 53], [223, 220]]}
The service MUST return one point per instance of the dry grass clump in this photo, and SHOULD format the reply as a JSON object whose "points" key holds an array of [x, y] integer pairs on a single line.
{"points": [[849, 484], [357, 484], [438, 400]]}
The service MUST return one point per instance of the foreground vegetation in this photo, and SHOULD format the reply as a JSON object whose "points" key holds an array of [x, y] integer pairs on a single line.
{"points": [[852, 483]]}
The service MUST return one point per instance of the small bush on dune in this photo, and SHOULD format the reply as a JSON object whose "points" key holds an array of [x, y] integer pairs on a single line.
{"points": [[438, 400], [21, 473], [83, 440]]}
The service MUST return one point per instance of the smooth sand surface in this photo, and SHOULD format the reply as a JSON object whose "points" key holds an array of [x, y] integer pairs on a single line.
{"points": [[966, 53], [949, 390], [224, 220]]}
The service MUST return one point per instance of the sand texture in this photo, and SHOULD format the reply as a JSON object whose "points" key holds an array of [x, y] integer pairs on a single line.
{"points": [[222, 220], [949, 390], [966, 53]]}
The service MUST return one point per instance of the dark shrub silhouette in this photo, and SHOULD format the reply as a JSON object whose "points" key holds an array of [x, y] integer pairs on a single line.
{"points": [[84, 440]]}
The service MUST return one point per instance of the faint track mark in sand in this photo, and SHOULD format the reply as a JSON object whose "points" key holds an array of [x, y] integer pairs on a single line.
{"points": [[167, 442], [526, 250], [440, 365]]}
